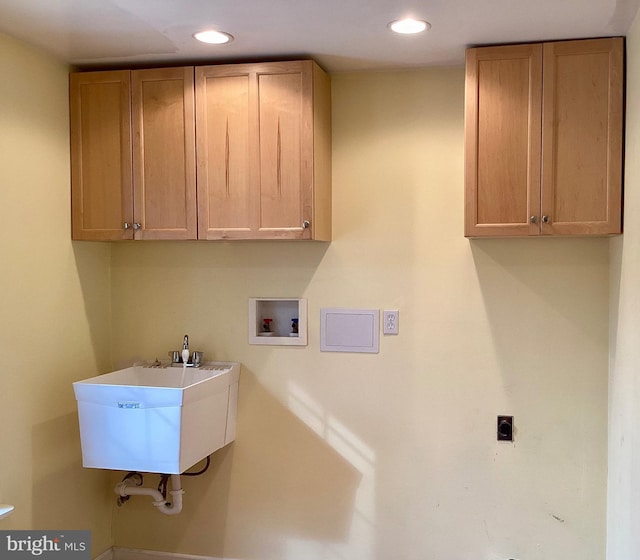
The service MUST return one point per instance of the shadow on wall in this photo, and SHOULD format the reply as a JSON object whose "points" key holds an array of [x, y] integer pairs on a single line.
{"points": [[166, 289], [556, 271], [278, 481], [544, 299], [67, 496], [288, 481], [616, 248], [541, 355], [92, 263]]}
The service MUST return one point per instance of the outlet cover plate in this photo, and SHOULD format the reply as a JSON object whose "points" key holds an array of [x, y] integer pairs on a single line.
{"points": [[390, 321]]}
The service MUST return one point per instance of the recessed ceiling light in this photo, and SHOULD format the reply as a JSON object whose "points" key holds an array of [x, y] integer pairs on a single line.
{"points": [[213, 37], [409, 26]]}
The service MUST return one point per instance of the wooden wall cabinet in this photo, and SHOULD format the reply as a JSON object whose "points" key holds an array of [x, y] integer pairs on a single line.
{"points": [[263, 151], [133, 155], [544, 139]]}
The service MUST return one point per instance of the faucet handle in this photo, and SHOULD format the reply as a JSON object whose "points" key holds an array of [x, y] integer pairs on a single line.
{"points": [[185, 342], [196, 358]]}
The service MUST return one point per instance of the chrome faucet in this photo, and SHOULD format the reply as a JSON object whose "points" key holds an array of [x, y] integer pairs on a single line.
{"points": [[185, 350], [185, 357]]}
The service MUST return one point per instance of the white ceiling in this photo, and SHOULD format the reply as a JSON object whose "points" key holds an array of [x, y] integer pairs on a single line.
{"points": [[341, 35]]}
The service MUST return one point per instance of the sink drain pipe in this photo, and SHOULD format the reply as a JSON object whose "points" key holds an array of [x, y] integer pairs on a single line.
{"points": [[125, 489]]}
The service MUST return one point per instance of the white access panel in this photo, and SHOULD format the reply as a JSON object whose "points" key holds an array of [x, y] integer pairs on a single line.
{"points": [[350, 330]]}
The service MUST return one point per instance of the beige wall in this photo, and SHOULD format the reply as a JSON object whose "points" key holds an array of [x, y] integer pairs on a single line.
{"points": [[338, 455], [54, 308], [624, 388], [390, 455]]}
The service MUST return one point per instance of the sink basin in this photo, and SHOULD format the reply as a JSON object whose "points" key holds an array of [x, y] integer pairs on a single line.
{"points": [[5, 510], [161, 420]]}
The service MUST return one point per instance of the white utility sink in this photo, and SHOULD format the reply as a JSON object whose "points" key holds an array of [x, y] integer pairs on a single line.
{"points": [[157, 419], [5, 510]]}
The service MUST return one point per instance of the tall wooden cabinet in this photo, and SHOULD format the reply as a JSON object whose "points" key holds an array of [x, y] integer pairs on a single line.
{"points": [[102, 192], [164, 172], [264, 159], [543, 139], [133, 155]]}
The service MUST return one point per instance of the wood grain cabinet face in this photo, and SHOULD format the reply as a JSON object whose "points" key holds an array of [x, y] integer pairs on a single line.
{"points": [[263, 151], [102, 196], [164, 168], [543, 139], [582, 137], [224, 115], [258, 167], [133, 155]]}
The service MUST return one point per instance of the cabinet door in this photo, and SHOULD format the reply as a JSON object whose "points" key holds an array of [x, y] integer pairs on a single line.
{"points": [[582, 137], [226, 123], [101, 194], [502, 140], [259, 165], [164, 175], [285, 105]]}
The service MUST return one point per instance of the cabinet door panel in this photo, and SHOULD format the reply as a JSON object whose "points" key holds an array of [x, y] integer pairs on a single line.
{"points": [[280, 127], [164, 153], [582, 132], [502, 140], [101, 155], [285, 95], [226, 170], [255, 150]]}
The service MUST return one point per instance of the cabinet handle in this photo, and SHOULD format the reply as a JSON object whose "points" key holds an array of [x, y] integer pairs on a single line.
{"points": [[546, 219], [533, 219], [136, 226], [127, 225], [306, 224]]}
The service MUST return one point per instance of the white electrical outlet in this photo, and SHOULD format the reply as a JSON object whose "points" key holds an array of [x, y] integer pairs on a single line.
{"points": [[390, 322]]}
